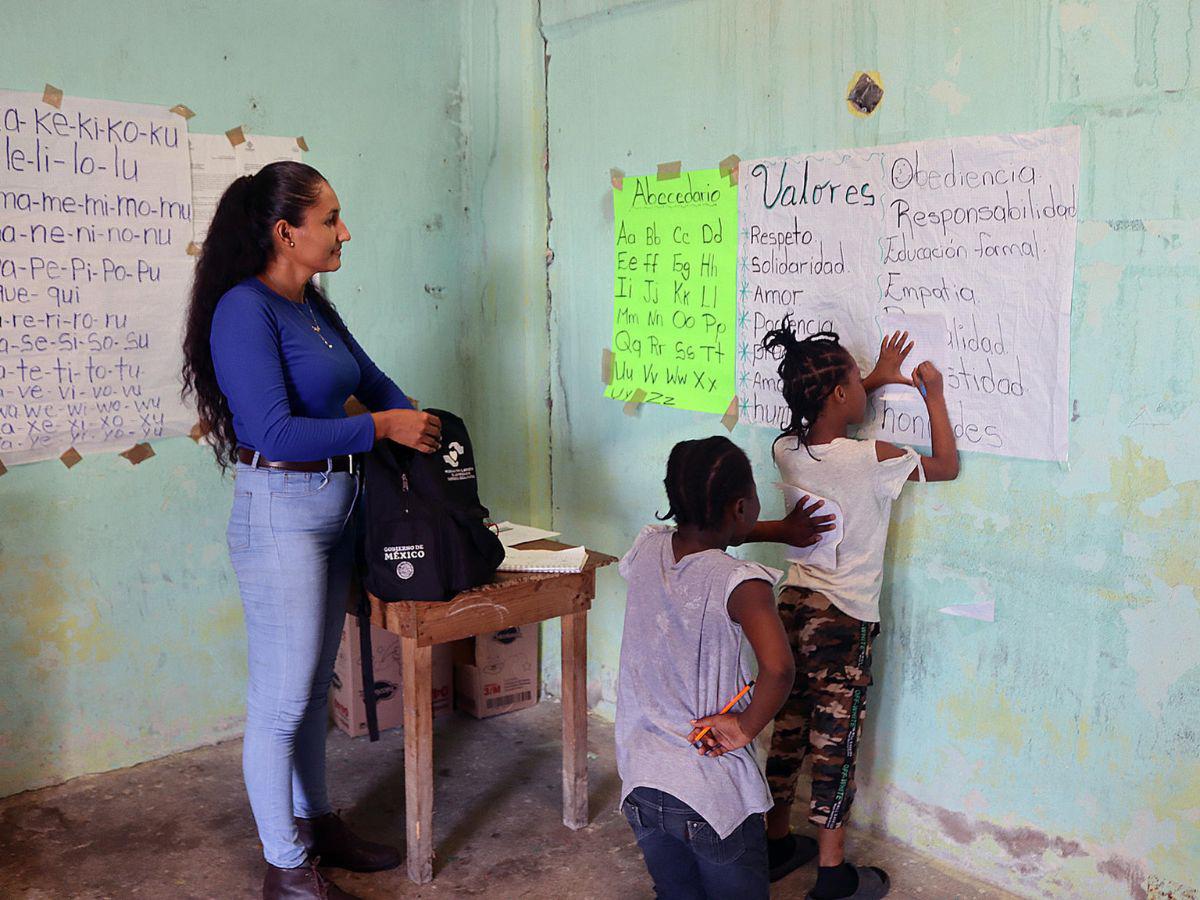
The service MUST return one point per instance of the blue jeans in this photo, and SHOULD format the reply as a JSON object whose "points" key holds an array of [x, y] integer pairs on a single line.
{"points": [[685, 857], [292, 547]]}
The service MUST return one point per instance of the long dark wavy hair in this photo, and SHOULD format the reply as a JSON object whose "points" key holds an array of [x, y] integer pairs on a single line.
{"points": [[240, 245], [809, 371]]}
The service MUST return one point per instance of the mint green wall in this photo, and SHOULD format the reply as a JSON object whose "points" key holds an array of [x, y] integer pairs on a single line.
{"points": [[121, 632], [1055, 751], [504, 305]]}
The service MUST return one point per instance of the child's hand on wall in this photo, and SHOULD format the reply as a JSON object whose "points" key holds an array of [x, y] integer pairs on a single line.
{"points": [[892, 353]]}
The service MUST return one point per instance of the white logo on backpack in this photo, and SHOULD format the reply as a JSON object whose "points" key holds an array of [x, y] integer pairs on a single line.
{"points": [[456, 450]]}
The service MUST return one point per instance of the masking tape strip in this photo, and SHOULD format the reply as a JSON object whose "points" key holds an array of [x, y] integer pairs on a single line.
{"points": [[180, 110], [606, 363], [193, 249], [730, 419], [638, 398], [138, 453], [52, 95], [71, 458], [236, 136], [617, 177], [669, 170], [302, 143], [3, 470], [729, 167]]}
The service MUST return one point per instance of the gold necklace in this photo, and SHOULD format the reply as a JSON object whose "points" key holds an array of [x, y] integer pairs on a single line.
{"points": [[315, 325]]}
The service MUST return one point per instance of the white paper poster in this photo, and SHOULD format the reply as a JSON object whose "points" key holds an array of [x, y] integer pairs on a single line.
{"points": [[95, 219], [216, 163], [979, 231]]}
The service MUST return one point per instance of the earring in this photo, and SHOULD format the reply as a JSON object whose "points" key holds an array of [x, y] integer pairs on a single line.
{"points": [[291, 243]]}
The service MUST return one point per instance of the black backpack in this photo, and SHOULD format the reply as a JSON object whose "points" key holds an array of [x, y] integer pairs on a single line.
{"points": [[424, 535]]}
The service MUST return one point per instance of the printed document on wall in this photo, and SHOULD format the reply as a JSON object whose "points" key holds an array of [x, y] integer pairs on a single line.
{"points": [[216, 163]]}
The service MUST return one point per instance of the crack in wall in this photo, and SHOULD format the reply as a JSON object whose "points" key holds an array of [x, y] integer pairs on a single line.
{"points": [[550, 348]]}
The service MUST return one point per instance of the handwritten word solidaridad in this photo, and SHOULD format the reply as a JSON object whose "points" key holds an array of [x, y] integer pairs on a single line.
{"points": [[673, 290]]}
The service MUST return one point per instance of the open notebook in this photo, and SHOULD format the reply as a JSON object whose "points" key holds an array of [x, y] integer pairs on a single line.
{"points": [[570, 560], [511, 534]]}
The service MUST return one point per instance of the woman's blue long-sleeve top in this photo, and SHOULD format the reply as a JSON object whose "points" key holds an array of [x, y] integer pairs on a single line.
{"points": [[285, 387]]}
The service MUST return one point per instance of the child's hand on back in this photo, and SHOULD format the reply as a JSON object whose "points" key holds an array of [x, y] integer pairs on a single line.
{"points": [[929, 379], [725, 733], [892, 353], [803, 529]]}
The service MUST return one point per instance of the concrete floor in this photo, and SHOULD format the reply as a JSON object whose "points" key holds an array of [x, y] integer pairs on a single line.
{"points": [[180, 827]]}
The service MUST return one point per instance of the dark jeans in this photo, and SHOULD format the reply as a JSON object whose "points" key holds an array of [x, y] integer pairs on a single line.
{"points": [[685, 857]]}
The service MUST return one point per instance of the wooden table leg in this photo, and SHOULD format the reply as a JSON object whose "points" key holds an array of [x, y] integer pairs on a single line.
{"points": [[574, 708], [417, 666]]}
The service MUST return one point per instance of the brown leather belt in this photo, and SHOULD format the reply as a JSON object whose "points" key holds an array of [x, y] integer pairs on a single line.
{"points": [[342, 463]]}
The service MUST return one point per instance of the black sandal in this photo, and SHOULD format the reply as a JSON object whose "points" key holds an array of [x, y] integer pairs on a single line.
{"points": [[873, 884]]}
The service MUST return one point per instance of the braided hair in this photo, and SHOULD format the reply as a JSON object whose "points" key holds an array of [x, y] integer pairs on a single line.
{"points": [[703, 478], [809, 370]]}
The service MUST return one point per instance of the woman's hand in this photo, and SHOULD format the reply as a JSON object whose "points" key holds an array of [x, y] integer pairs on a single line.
{"points": [[418, 430], [892, 353], [725, 733]]}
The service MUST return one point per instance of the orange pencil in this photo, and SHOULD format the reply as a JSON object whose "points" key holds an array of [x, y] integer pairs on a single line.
{"points": [[728, 707]]}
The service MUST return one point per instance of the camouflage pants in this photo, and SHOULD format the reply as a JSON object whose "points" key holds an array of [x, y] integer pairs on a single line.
{"points": [[823, 717]]}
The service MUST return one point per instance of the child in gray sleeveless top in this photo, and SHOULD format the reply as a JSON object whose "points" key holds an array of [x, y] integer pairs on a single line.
{"points": [[695, 806]]}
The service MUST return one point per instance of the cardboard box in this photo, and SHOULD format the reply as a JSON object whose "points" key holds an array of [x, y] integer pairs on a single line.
{"points": [[346, 693], [498, 672]]}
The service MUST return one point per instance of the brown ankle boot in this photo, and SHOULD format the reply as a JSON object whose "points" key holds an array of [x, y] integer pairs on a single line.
{"points": [[328, 837], [301, 883]]}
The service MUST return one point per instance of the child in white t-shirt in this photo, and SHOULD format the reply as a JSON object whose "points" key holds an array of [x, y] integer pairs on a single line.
{"points": [[832, 617]]}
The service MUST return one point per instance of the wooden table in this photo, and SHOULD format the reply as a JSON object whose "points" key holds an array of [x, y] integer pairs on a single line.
{"points": [[512, 599]]}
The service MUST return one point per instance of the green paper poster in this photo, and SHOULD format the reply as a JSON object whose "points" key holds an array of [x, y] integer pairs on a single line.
{"points": [[673, 290]]}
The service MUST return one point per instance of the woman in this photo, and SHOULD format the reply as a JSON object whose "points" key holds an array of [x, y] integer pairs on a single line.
{"points": [[271, 363]]}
